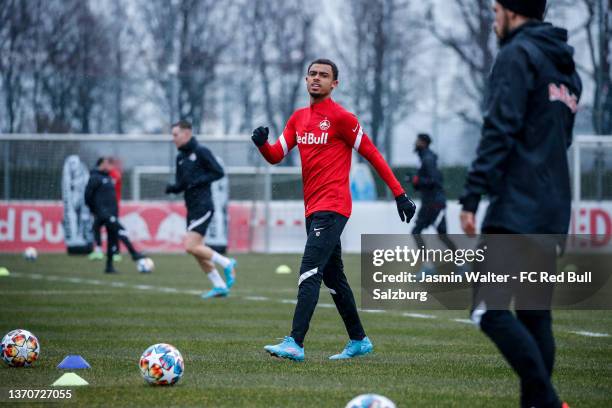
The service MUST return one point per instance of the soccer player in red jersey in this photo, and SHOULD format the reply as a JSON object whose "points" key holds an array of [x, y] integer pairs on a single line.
{"points": [[325, 134]]}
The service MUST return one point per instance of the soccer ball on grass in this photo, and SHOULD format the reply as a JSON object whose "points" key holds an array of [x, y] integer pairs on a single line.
{"points": [[30, 254], [162, 364], [370, 401], [145, 265], [20, 348]]}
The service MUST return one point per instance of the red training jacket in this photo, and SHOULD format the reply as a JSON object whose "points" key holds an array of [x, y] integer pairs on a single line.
{"points": [[116, 176], [325, 134]]}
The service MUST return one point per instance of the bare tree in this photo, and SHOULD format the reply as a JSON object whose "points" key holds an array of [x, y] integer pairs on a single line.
{"points": [[74, 45], [282, 35], [241, 70], [51, 64], [598, 28], [119, 31], [14, 32], [159, 50], [190, 37], [472, 40], [382, 47]]}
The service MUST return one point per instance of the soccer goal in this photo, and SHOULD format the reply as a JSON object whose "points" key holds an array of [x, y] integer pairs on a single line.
{"points": [[268, 198]]}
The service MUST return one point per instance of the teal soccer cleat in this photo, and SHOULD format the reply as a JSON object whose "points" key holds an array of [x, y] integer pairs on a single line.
{"points": [[230, 273], [288, 349], [354, 348], [215, 292]]}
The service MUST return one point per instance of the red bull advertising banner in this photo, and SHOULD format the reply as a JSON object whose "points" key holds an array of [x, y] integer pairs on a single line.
{"points": [[160, 226], [152, 226]]}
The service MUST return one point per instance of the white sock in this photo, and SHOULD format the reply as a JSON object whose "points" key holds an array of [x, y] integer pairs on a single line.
{"points": [[216, 279], [98, 249], [220, 259]]}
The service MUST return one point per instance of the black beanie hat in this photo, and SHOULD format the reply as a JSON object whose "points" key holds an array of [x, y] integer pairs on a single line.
{"points": [[528, 8]]}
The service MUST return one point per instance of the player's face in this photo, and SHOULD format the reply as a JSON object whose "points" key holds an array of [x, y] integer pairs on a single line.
{"points": [[502, 21], [418, 145], [180, 136], [105, 166], [320, 80]]}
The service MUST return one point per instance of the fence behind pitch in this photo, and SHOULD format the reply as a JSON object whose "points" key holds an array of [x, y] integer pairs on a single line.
{"points": [[268, 197], [32, 166]]}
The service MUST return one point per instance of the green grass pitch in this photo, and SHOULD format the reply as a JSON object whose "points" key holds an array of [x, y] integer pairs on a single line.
{"points": [[74, 308]]}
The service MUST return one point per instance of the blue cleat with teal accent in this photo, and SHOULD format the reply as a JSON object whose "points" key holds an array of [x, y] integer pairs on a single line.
{"points": [[354, 348], [215, 292], [288, 349], [230, 273]]}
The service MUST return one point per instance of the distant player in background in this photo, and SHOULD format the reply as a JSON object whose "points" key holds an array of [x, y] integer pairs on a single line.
{"points": [[430, 183], [101, 198], [522, 166], [196, 169], [325, 134], [115, 173]]}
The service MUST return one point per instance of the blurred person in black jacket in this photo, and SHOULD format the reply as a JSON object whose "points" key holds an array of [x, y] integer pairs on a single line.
{"points": [[101, 198], [429, 182], [522, 166]]}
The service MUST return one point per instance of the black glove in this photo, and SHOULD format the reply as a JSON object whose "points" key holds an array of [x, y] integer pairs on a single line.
{"points": [[260, 136], [171, 189], [405, 207]]}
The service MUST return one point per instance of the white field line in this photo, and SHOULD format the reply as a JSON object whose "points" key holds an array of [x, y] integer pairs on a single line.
{"points": [[115, 284], [257, 298], [54, 292], [590, 334], [326, 305], [419, 315], [466, 321]]}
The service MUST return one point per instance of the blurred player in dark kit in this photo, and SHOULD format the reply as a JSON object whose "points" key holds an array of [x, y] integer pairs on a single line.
{"points": [[196, 169], [101, 198], [522, 166], [429, 182]]}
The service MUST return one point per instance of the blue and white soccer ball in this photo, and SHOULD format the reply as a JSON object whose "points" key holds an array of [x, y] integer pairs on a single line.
{"points": [[145, 265], [162, 364], [30, 254], [370, 401]]}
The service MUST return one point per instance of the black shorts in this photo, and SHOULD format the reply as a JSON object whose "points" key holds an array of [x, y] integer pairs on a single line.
{"points": [[199, 220]]}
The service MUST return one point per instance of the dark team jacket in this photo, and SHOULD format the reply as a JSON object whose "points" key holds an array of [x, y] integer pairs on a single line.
{"points": [[521, 161], [429, 180], [196, 169], [100, 195]]}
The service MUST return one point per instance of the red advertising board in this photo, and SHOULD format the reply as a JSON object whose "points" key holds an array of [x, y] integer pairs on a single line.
{"points": [[152, 226], [160, 226]]}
